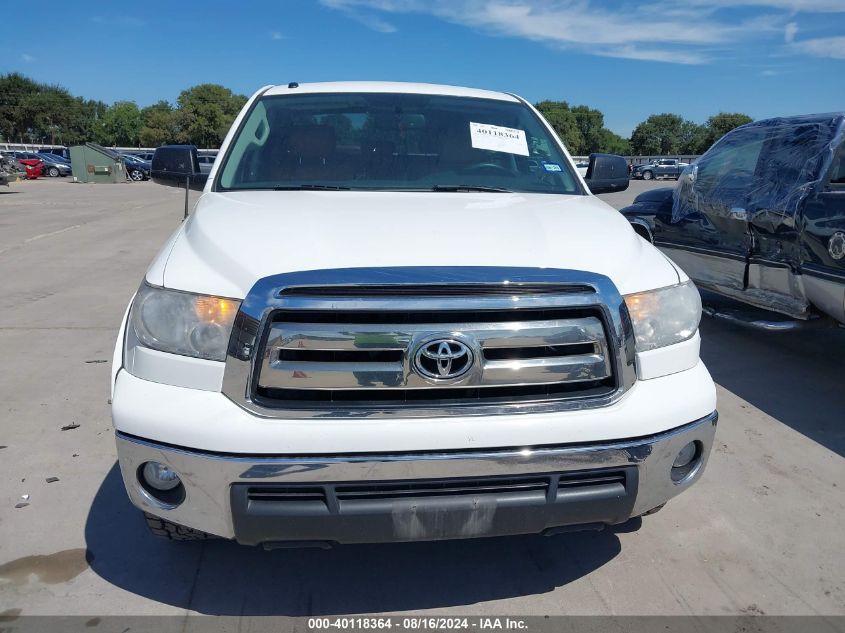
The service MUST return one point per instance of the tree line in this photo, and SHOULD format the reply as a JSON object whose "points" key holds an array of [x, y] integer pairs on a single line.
{"points": [[582, 130], [33, 112]]}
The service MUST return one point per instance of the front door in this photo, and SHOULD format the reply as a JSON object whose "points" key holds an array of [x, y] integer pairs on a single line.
{"points": [[708, 234], [795, 154]]}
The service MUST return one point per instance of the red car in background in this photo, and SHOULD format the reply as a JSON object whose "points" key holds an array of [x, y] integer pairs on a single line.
{"points": [[33, 167]]}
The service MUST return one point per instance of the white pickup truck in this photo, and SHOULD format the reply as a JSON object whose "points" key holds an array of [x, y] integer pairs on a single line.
{"points": [[397, 312]]}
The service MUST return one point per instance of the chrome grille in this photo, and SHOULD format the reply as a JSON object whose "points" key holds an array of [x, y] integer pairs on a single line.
{"points": [[362, 356], [538, 340]]}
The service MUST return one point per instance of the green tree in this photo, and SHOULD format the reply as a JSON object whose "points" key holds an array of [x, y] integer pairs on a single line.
{"points": [[40, 113], [57, 117], [120, 125], [658, 134], [691, 138], [46, 113], [35, 112], [160, 125], [591, 125], [720, 124], [612, 143], [15, 91], [88, 116], [206, 112], [564, 122]]}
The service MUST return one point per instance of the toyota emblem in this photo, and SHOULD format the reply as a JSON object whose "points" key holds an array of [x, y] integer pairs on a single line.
{"points": [[443, 359]]}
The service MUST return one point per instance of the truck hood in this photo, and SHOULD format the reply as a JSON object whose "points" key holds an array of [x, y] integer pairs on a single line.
{"points": [[233, 239]]}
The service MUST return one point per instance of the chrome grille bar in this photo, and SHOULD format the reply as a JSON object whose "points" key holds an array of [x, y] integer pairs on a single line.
{"points": [[535, 371], [375, 336], [556, 339], [561, 336]]}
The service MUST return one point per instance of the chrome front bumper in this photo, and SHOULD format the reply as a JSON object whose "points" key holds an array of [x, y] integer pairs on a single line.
{"points": [[212, 481]]}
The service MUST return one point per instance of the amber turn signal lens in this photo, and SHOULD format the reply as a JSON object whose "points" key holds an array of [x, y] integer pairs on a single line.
{"points": [[215, 310]]}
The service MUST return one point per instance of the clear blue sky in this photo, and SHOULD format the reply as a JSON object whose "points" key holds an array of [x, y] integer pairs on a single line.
{"points": [[629, 59]]}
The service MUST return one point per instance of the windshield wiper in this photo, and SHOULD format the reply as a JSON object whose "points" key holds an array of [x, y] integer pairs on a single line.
{"points": [[470, 188], [310, 187]]}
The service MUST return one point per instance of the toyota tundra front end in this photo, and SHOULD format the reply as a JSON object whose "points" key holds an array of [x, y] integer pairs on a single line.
{"points": [[398, 313]]}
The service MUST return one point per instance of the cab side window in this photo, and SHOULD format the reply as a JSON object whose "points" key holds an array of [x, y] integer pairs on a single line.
{"points": [[732, 162]]}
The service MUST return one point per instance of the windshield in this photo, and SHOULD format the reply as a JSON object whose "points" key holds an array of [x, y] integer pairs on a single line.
{"points": [[379, 141]]}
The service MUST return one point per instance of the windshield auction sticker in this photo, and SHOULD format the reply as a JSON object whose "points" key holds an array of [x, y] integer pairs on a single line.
{"points": [[498, 139]]}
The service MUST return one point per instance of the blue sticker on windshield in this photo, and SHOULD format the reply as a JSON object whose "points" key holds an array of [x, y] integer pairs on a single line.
{"points": [[551, 166]]}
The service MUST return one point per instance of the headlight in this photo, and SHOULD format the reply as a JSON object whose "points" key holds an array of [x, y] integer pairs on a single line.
{"points": [[182, 322], [665, 316]]}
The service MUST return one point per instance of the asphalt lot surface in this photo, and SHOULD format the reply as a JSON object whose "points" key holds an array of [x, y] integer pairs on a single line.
{"points": [[760, 533]]}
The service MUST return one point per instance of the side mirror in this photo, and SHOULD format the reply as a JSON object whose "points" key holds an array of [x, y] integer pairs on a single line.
{"points": [[607, 173], [177, 166], [688, 175]]}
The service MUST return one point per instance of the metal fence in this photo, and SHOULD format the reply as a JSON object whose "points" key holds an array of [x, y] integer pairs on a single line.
{"points": [[27, 147]]}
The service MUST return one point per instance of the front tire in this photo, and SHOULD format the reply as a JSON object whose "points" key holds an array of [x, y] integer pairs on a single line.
{"points": [[647, 175], [54, 172], [136, 175], [163, 528]]}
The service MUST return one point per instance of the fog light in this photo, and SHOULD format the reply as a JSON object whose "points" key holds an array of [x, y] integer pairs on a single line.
{"points": [[686, 462], [686, 455], [160, 477]]}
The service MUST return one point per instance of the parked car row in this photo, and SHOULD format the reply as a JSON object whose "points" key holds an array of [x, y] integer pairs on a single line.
{"points": [[55, 164], [38, 163]]}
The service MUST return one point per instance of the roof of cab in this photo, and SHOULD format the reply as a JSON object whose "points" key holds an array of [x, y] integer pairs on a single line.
{"points": [[388, 86], [834, 119]]}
